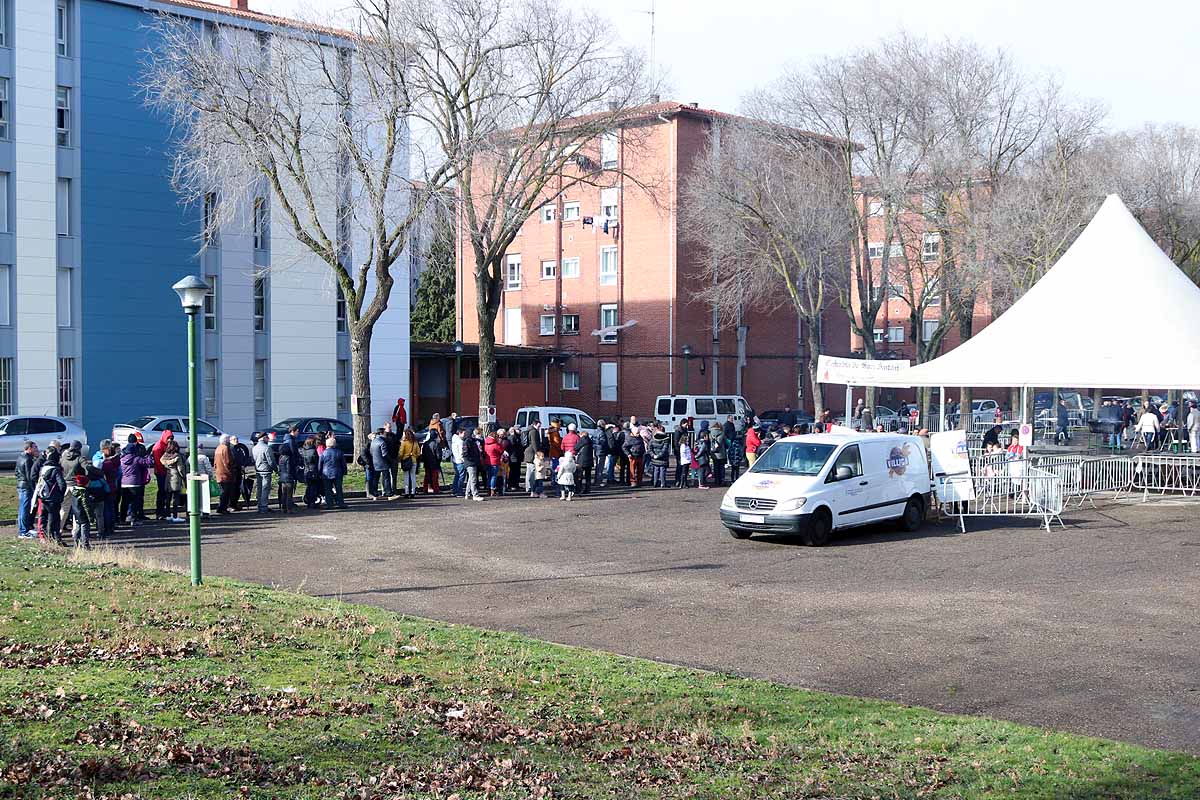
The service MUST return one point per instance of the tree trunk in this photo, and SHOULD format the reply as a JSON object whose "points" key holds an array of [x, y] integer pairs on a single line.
{"points": [[1014, 402], [813, 334], [487, 363], [360, 383], [965, 416]]}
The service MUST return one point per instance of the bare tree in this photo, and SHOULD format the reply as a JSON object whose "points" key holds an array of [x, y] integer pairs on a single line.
{"points": [[523, 92], [867, 103], [1156, 170], [318, 118], [771, 208]]}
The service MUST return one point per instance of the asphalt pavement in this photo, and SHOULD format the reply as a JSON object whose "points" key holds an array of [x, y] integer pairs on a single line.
{"points": [[1091, 628]]}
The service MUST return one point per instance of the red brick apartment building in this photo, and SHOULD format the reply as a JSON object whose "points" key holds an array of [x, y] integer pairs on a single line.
{"points": [[606, 256]]}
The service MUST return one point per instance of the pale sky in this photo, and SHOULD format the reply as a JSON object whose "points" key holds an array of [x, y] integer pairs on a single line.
{"points": [[1138, 58]]}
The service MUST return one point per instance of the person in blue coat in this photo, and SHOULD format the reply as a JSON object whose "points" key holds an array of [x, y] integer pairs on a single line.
{"points": [[333, 470]]}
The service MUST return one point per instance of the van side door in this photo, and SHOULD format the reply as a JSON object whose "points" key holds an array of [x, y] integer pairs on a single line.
{"points": [[848, 494]]}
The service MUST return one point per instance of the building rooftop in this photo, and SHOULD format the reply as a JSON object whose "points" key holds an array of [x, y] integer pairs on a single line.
{"points": [[240, 9]]}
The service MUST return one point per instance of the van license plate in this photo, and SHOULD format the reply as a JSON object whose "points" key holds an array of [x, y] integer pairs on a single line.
{"points": [[757, 518]]}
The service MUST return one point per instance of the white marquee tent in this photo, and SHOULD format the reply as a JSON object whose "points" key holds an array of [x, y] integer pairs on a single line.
{"points": [[1112, 313]]}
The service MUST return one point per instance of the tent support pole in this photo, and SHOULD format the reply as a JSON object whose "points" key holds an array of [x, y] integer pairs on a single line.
{"points": [[849, 403], [942, 413], [1024, 402]]}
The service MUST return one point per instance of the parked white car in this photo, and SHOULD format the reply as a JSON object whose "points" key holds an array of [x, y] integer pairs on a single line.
{"points": [[672, 409], [208, 436], [814, 485], [564, 415], [16, 430]]}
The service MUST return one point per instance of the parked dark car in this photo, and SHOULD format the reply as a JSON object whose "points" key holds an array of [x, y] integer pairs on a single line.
{"points": [[311, 425], [771, 418]]}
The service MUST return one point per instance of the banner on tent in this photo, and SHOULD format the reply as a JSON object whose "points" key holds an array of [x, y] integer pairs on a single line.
{"points": [[856, 371]]}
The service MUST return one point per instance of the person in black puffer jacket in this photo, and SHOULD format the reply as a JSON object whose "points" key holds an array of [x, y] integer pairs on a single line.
{"points": [[584, 457], [660, 457], [310, 460]]}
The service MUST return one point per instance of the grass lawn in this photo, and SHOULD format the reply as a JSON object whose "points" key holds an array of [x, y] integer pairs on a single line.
{"points": [[123, 683]]}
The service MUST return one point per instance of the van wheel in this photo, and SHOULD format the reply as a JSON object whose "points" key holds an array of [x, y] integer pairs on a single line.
{"points": [[739, 534], [914, 515], [820, 529]]}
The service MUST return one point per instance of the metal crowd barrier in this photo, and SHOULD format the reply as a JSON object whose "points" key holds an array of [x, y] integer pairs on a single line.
{"points": [[1013, 489], [1084, 476], [1166, 473]]}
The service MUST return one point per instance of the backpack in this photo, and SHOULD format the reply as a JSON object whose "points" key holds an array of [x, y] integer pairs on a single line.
{"points": [[50, 490]]}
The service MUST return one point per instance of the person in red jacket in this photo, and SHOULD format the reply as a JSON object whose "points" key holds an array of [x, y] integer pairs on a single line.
{"points": [[399, 415], [493, 457], [160, 474], [753, 440], [571, 440]]}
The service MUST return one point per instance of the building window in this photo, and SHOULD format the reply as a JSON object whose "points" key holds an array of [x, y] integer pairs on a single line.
{"points": [[570, 324], [608, 150], [62, 27], [895, 334], [549, 270], [340, 310], [3, 100], [570, 380], [209, 219], [877, 335], [62, 116], [608, 266], [512, 272], [4, 23], [547, 213], [546, 325], [5, 294], [63, 293], [6, 387], [343, 385], [896, 250], [210, 303], [62, 207], [875, 250], [66, 387], [608, 203], [570, 267], [513, 329], [260, 223], [875, 208], [608, 381], [928, 329], [896, 291], [571, 211], [608, 319], [4, 202], [260, 303], [931, 247], [210, 387], [260, 386]]}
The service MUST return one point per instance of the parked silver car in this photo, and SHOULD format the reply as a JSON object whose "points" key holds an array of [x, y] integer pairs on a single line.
{"points": [[16, 430], [208, 436]]}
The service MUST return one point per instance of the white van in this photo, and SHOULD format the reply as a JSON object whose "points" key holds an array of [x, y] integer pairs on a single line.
{"points": [[564, 415], [671, 409], [814, 485]]}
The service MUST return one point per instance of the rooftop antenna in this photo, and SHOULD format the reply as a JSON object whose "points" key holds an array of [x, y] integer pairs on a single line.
{"points": [[652, 63]]}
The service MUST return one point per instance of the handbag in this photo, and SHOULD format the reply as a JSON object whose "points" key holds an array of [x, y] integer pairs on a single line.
{"points": [[406, 464]]}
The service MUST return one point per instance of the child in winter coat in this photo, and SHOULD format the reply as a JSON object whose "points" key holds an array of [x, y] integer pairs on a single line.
{"points": [[566, 476], [685, 465], [541, 471]]}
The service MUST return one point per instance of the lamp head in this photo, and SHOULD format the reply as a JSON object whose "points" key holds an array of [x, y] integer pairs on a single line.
{"points": [[458, 347], [687, 351], [191, 291]]}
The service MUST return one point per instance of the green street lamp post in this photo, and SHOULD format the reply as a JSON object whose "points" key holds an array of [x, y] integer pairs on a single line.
{"points": [[191, 291], [458, 351], [687, 358]]}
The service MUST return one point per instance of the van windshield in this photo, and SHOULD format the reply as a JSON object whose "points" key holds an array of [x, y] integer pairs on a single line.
{"points": [[794, 458]]}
